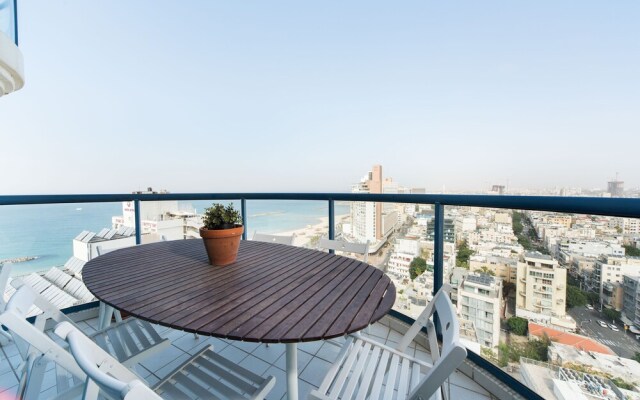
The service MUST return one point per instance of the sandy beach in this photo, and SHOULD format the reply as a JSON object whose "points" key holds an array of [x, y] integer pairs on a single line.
{"points": [[303, 236]]}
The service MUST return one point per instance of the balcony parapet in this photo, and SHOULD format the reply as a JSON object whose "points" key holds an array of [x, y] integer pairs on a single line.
{"points": [[11, 66]]}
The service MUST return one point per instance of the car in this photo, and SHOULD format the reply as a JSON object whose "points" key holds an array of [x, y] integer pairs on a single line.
{"points": [[589, 307], [614, 328], [602, 324]]}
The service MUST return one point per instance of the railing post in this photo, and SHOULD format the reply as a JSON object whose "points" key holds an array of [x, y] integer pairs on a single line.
{"points": [[332, 222], [243, 211], [438, 247], [15, 21], [137, 205]]}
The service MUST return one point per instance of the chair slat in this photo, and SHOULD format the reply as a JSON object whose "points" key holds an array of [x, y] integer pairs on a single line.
{"points": [[403, 382], [184, 379], [357, 371], [379, 379], [128, 340], [137, 331], [217, 369], [121, 354], [346, 367], [391, 377], [175, 393], [368, 375], [415, 376]]}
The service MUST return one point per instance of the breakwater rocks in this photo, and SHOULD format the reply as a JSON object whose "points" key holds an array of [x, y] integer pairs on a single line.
{"points": [[18, 259]]}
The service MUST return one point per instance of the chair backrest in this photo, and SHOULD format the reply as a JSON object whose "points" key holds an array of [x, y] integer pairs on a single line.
{"points": [[450, 356], [74, 266], [31, 340], [5, 272], [262, 237], [339, 245], [94, 361]]}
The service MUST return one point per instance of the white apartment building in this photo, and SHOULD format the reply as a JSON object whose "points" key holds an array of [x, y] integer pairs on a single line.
{"points": [[168, 219], [541, 285], [466, 223], [369, 222], [404, 252], [611, 270], [628, 226], [480, 302], [502, 267], [590, 248]]}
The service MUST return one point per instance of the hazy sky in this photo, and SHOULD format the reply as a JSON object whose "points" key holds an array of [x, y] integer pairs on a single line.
{"points": [[210, 96]]}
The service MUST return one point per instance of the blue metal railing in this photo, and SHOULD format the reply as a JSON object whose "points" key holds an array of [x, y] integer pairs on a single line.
{"points": [[9, 19], [617, 207]]}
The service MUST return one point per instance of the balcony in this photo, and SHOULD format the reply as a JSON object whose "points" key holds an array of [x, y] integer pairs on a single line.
{"points": [[11, 63], [476, 375]]}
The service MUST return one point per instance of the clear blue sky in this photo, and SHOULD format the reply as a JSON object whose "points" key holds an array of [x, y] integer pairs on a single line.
{"points": [[306, 96]]}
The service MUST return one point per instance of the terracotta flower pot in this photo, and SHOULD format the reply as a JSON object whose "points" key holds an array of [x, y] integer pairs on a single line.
{"points": [[222, 244]]}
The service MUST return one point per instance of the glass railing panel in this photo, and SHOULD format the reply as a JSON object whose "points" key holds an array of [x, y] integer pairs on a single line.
{"points": [[37, 237], [397, 246], [306, 221], [169, 220], [554, 270], [7, 19]]}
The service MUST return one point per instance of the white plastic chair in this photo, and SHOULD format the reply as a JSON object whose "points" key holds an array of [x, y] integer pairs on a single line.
{"points": [[206, 375], [339, 245], [367, 369], [130, 341], [74, 266], [48, 290], [7, 291], [263, 237]]}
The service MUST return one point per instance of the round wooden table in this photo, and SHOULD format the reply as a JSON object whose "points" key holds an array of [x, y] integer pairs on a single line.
{"points": [[273, 293]]}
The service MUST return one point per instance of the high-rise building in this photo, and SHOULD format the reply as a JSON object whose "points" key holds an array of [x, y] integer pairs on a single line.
{"points": [[615, 188], [449, 230], [541, 285], [366, 217], [479, 302]]}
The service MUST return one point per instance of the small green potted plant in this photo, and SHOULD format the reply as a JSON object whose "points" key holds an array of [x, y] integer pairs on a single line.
{"points": [[221, 233]]}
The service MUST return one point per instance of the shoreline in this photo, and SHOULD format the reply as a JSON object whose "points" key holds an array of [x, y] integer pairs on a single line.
{"points": [[303, 236]]}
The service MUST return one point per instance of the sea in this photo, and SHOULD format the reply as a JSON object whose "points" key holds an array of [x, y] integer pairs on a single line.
{"points": [[46, 231]]}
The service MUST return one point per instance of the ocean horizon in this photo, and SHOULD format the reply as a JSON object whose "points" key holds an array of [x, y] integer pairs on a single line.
{"points": [[46, 231]]}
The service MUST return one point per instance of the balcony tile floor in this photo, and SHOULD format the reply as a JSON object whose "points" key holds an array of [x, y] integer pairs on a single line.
{"points": [[314, 359]]}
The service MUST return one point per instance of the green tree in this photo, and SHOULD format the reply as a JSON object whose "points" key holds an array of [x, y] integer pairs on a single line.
{"points": [[575, 297], [503, 354], [631, 251], [636, 356], [594, 298], [485, 270], [611, 314], [518, 325], [537, 349], [464, 253], [417, 267], [508, 288], [516, 222]]}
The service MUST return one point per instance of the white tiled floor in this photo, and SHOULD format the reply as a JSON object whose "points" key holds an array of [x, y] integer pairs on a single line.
{"points": [[314, 359]]}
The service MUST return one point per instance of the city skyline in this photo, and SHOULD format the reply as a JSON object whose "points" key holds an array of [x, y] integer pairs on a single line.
{"points": [[292, 97]]}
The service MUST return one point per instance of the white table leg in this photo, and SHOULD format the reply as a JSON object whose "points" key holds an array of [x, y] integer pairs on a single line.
{"points": [[292, 371], [104, 320]]}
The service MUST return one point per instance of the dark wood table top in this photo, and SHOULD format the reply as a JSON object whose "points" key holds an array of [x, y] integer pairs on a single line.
{"points": [[272, 293]]}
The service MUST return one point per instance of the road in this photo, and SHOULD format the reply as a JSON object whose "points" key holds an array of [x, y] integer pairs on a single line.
{"points": [[624, 344]]}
